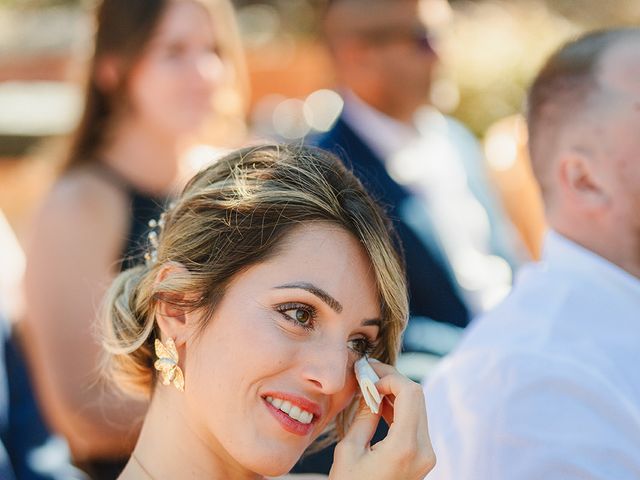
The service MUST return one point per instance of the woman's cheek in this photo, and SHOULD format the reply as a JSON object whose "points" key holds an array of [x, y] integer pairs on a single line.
{"points": [[343, 399]]}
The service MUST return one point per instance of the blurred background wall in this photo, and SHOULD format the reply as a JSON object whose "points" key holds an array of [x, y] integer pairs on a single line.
{"points": [[490, 49]]}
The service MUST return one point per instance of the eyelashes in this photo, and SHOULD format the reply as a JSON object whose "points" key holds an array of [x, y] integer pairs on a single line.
{"points": [[304, 316], [362, 346]]}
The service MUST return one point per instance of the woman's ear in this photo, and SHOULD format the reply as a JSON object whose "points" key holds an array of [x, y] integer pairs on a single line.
{"points": [[174, 315], [107, 73]]}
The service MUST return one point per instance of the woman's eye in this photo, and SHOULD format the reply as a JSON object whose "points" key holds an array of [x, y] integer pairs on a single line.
{"points": [[362, 346], [300, 315]]}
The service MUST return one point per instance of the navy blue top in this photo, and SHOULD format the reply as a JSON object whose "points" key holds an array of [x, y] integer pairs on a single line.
{"points": [[143, 207]]}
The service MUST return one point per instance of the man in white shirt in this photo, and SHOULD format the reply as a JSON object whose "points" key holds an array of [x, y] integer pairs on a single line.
{"points": [[547, 385]]}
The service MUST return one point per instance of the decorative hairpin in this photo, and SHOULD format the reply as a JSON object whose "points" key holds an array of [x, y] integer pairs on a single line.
{"points": [[156, 226]]}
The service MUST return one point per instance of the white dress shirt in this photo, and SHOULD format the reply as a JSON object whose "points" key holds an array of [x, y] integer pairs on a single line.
{"points": [[547, 385]]}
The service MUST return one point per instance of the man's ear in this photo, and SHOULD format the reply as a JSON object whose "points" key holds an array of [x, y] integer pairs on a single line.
{"points": [[580, 181], [174, 314]]}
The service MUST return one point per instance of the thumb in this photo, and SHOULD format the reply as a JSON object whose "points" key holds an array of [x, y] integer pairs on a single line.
{"points": [[363, 426]]}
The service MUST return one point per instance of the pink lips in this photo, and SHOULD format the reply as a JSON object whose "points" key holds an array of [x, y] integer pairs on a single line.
{"points": [[288, 423]]}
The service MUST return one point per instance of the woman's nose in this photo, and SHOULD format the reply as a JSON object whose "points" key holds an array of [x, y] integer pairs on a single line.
{"points": [[325, 366], [208, 66]]}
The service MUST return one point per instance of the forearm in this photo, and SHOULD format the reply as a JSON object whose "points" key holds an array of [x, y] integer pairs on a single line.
{"points": [[97, 421], [99, 425]]}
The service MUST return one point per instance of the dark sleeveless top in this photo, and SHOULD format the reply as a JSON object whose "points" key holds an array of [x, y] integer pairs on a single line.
{"points": [[142, 208]]}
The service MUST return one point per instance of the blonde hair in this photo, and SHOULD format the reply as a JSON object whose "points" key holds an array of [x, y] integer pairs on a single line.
{"points": [[235, 214]]}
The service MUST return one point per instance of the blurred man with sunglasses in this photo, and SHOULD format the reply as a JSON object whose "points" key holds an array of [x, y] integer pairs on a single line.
{"points": [[425, 166]]}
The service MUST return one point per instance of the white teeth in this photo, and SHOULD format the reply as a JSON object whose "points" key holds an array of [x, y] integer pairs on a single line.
{"points": [[293, 411], [286, 406], [306, 417]]}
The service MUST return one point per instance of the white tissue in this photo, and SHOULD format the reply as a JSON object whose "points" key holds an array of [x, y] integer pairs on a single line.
{"points": [[367, 379]]}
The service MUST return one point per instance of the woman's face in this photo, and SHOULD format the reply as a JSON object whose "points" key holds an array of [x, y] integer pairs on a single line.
{"points": [[284, 337], [172, 85]]}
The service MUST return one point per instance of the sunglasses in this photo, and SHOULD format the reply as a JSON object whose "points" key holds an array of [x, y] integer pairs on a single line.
{"points": [[419, 37]]}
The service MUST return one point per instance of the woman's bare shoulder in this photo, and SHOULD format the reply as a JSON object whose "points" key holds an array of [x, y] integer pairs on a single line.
{"points": [[83, 189], [80, 212], [80, 199]]}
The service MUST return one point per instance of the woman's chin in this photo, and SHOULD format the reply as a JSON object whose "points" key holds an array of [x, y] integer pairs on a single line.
{"points": [[274, 465]]}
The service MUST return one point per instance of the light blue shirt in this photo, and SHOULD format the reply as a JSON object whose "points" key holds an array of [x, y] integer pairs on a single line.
{"points": [[547, 385]]}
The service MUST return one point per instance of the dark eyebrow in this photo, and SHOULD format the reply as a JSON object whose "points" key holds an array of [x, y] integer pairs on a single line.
{"points": [[318, 292], [375, 322]]}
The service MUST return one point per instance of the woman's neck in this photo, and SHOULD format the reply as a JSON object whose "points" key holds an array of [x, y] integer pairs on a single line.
{"points": [[172, 446], [149, 161]]}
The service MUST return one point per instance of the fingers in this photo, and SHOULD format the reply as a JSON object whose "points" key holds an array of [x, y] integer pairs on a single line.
{"points": [[412, 405], [409, 410], [382, 369], [406, 452], [408, 438], [362, 428], [386, 408], [403, 407]]}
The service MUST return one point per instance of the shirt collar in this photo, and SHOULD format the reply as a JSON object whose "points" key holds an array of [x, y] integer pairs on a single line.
{"points": [[561, 253], [385, 135]]}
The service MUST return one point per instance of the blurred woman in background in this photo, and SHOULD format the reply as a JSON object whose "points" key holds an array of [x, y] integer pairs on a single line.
{"points": [[160, 70]]}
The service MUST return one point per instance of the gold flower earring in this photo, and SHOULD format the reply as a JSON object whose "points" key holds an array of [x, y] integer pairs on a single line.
{"points": [[167, 364]]}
